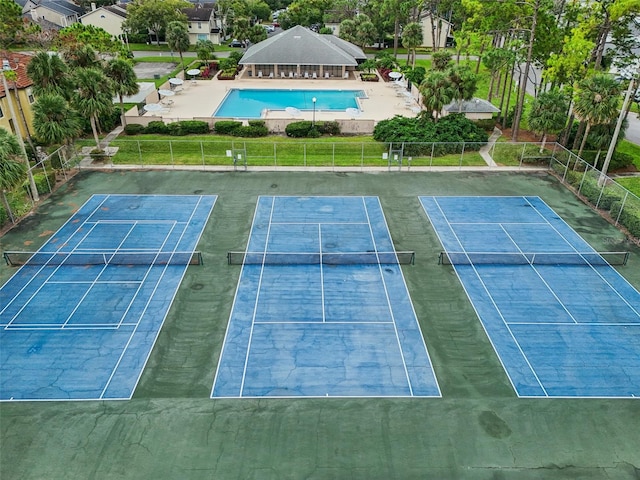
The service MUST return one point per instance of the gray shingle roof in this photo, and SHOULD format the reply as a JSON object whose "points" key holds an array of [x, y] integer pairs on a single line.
{"points": [[197, 14], [475, 105], [62, 6], [301, 46]]}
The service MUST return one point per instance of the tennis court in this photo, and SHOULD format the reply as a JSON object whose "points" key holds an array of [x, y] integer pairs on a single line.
{"points": [[80, 317], [322, 308], [563, 321]]}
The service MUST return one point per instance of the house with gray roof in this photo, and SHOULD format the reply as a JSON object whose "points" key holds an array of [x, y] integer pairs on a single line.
{"points": [[58, 12], [474, 109], [302, 53]]}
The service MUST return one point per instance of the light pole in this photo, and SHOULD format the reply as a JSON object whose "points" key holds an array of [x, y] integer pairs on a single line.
{"points": [[32, 183], [313, 122]]}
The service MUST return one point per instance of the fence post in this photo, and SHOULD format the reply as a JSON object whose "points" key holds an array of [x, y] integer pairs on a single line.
{"points": [[333, 157], [524, 146], [304, 153], [566, 170], [433, 146], [171, 151], [275, 154], [361, 157], [461, 156], [140, 153], [202, 152], [584, 175], [624, 202]]}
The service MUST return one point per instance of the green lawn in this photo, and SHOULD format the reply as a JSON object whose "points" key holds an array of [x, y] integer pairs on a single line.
{"points": [[630, 183], [630, 149], [274, 150]]}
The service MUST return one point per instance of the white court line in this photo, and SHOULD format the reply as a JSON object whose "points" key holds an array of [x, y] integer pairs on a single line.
{"points": [[386, 293], [539, 276], [615, 290], [101, 282], [94, 280], [495, 306], [323, 223], [324, 316], [135, 328], [255, 305], [44, 282], [233, 304], [585, 324], [34, 276], [476, 224], [337, 322]]}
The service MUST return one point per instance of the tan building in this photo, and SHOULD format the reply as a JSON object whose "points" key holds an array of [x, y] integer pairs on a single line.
{"points": [[202, 24], [437, 29], [109, 18], [21, 96]]}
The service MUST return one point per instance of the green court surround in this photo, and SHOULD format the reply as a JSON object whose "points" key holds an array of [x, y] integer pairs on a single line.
{"points": [[172, 430]]}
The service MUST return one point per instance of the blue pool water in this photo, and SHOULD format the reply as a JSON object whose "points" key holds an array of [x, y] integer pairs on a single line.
{"points": [[250, 103]]}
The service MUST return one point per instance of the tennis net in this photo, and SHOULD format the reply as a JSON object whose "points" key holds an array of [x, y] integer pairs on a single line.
{"points": [[316, 258], [16, 258], [541, 258]]}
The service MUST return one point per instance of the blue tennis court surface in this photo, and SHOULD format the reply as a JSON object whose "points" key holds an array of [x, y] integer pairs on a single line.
{"points": [[560, 330], [74, 331], [316, 330]]}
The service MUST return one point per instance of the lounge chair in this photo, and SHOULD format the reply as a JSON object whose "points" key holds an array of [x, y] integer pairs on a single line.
{"points": [[290, 74], [282, 75], [306, 74], [271, 75], [326, 75], [314, 75], [346, 75], [259, 74]]}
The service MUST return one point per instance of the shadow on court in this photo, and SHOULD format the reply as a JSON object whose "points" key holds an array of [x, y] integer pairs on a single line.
{"points": [[479, 429]]}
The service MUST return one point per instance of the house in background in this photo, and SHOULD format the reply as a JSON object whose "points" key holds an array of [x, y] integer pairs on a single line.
{"points": [[58, 12], [202, 24], [435, 29], [21, 93], [109, 18], [474, 109]]}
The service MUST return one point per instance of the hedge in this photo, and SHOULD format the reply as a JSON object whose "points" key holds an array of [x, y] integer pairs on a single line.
{"points": [[133, 129], [225, 127], [157, 126], [307, 129], [250, 131]]}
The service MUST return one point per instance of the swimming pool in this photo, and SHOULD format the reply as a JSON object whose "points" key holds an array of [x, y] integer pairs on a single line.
{"points": [[250, 103]]}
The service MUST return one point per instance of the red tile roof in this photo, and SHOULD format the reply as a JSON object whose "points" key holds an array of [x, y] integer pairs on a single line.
{"points": [[18, 62]]}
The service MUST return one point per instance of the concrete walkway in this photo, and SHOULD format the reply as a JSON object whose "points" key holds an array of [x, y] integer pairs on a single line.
{"points": [[484, 151]]}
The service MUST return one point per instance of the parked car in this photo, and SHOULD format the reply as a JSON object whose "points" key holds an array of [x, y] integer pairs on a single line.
{"points": [[235, 43]]}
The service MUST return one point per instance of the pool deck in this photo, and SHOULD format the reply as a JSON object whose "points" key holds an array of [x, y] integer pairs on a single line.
{"points": [[201, 98]]}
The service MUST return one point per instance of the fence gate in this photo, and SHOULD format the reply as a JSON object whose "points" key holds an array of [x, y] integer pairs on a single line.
{"points": [[395, 157], [239, 156]]}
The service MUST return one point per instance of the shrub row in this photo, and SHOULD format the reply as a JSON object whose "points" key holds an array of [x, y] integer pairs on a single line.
{"points": [[609, 198], [256, 128], [44, 183], [307, 129], [184, 127]]}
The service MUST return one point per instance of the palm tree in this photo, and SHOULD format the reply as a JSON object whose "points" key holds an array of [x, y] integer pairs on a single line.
{"points": [[436, 92], [177, 38], [412, 38], [82, 56], [463, 83], [93, 96], [12, 170], [548, 114], [54, 121], [124, 81], [596, 102], [49, 75]]}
